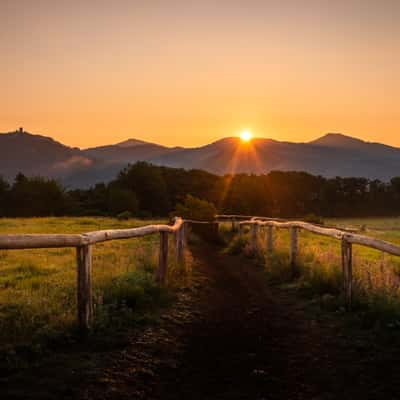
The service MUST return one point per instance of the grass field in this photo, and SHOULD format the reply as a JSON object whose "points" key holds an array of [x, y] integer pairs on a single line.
{"points": [[376, 275], [38, 287]]}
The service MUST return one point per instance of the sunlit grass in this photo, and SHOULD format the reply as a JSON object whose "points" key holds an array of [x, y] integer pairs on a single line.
{"points": [[38, 286], [382, 228], [376, 275]]}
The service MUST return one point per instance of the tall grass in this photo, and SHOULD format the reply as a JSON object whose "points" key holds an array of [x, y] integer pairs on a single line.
{"points": [[376, 276]]}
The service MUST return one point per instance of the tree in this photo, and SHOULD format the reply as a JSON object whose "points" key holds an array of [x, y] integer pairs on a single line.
{"points": [[4, 196], [196, 209], [121, 200], [147, 182], [35, 197]]}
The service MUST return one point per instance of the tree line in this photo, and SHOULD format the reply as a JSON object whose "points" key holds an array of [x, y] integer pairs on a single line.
{"points": [[144, 190]]}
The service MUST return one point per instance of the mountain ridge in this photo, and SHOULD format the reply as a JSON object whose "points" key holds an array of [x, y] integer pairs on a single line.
{"points": [[333, 154], [341, 140]]}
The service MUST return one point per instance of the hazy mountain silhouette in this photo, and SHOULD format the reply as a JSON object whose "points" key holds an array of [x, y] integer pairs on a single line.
{"points": [[37, 155], [131, 143], [125, 152], [330, 155]]}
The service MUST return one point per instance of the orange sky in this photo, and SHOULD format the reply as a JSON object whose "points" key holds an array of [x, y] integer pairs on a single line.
{"points": [[189, 72]]}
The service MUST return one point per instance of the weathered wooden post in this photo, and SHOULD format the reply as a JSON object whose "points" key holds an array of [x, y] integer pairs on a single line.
{"points": [[270, 239], [240, 230], [293, 247], [179, 244], [233, 225], [254, 237], [184, 232], [85, 303], [163, 258], [347, 264]]}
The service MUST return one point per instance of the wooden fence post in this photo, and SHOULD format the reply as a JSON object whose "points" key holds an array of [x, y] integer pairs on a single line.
{"points": [[270, 239], [184, 234], [347, 264], [163, 258], [233, 225], [293, 247], [85, 304], [254, 237], [179, 244], [240, 230]]}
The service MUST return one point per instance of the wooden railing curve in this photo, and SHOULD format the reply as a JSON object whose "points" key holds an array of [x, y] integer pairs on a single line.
{"points": [[83, 244]]}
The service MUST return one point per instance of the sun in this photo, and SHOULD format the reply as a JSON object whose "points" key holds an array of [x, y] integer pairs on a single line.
{"points": [[246, 136]]}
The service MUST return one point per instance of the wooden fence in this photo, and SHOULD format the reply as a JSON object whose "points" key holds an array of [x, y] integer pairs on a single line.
{"points": [[347, 238], [83, 244]]}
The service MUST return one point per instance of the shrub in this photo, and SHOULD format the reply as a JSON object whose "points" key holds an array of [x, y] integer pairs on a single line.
{"points": [[128, 300], [124, 215], [197, 209], [313, 219]]}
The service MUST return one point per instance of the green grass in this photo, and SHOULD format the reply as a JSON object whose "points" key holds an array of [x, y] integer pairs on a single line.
{"points": [[382, 228], [38, 286], [376, 276]]}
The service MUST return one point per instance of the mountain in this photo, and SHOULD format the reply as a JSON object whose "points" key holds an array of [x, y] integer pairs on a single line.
{"points": [[37, 155], [131, 143], [125, 152], [339, 140], [331, 155]]}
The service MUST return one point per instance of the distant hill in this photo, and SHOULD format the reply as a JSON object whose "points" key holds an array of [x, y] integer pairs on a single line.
{"points": [[38, 155], [131, 143], [331, 155], [124, 153]]}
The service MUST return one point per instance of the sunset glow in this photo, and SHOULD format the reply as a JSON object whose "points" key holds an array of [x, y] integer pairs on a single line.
{"points": [[186, 73]]}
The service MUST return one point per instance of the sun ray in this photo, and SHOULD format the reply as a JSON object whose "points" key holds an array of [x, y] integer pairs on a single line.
{"points": [[248, 149]]}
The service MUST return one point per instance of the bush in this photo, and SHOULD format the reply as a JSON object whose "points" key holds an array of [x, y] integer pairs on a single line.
{"points": [[237, 245], [196, 209], [124, 215], [313, 219], [143, 214], [128, 300]]}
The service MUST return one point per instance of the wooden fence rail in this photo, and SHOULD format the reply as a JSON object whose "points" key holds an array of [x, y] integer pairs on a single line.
{"points": [[346, 237], [84, 243]]}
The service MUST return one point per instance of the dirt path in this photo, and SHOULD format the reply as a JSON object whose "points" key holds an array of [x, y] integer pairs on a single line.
{"points": [[255, 342], [235, 337]]}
